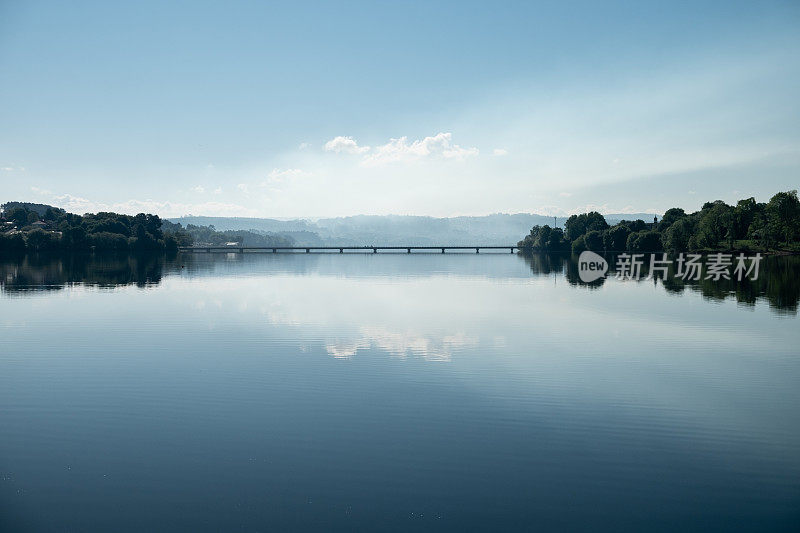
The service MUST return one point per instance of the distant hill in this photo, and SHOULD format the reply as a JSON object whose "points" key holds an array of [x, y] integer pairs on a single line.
{"points": [[387, 230], [39, 209], [245, 223], [396, 229]]}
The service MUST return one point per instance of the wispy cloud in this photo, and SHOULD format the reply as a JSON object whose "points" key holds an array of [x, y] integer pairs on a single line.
{"points": [[499, 151], [402, 150], [199, 189], [439, 145], [345, 144]]}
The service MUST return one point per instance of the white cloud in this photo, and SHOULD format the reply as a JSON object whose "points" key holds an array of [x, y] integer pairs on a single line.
{"points": [[218, 190], [401, 150], [500, 151], [37, 190], [345, 144], [565, 194], [303, 146], [243, 187], [172, 209], [199, 189], [12, 169], [76, 204]]}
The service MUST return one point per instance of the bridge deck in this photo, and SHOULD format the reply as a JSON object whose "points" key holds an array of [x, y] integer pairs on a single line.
{"points": [[340, 249]]}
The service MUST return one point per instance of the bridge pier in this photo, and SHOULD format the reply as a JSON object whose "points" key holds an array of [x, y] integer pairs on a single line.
{"points": [[512, 250], [442, 250], [308, 250], [374, 250], [274, 250], [409, 250], [341, 250], [477, 250]]}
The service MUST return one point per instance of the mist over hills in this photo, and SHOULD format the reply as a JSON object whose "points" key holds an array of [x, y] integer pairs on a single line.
{"points": [[390, 230]]}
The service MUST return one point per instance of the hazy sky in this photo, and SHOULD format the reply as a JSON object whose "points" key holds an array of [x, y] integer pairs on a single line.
{"points": [[431, 108]]}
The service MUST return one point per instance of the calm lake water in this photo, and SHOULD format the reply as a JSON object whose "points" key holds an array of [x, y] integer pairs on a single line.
{"points": [[391, 392]]}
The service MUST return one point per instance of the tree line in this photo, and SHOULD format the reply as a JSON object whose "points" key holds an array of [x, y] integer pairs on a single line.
{"points": [[42, 228], [717, 226]]}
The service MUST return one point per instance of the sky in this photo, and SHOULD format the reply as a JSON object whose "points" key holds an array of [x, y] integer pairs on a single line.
{"points": [[307, 109]]}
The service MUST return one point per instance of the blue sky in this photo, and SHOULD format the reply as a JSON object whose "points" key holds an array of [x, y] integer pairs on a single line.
{"points": [[430, 108]]}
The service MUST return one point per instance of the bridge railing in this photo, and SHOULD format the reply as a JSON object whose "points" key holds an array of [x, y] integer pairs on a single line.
{"points": [[340, 249]]}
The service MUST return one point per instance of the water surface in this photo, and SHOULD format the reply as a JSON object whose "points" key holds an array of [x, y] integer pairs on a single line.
{"points": [[392, 392]]}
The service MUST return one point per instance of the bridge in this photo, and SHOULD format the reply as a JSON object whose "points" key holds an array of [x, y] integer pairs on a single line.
{"points": [[340, 249]]}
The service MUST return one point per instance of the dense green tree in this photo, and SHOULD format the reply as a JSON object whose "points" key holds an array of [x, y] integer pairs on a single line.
{"points": [[758, 230], [41, 241], [594, 240], [579, 245], [578, 225], [12, 243], [18, 216], [670, 217], [106, 231], [170, 243], [676, 237], [74, 238], [106, 241], [616, 239], [644, 241], [544, 238], [180, 236], [783, 216], [744, 214], [715, 225], [108, 222], [634, 225]]}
